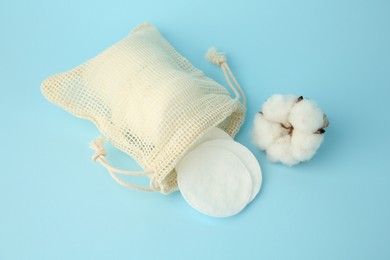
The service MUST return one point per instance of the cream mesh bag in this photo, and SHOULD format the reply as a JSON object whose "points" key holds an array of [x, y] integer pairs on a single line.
{"points": [[148, 101]]}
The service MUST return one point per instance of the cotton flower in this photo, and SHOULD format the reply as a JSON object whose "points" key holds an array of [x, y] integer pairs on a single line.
{"points": [[289, 129]]}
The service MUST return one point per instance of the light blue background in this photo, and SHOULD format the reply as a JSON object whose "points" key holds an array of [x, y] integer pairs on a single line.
{"points": [[55, 203]]}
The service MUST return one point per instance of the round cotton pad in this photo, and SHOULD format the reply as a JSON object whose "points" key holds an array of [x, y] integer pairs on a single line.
{"points": [[214, 181], [246, 157]]}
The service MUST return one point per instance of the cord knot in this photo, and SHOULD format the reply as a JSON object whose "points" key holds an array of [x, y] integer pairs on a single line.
{"points": [[218, 58], [97, 146]]}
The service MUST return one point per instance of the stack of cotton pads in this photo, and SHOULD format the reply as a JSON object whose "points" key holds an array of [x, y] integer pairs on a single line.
{"points": [[218, 176]]}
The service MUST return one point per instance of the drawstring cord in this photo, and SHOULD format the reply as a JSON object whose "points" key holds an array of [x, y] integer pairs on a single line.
{"points": [[219, 59], [100, 157]]}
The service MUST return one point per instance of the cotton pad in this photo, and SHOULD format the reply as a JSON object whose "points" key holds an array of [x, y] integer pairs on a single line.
{"points": [[214, 181], [246, 157]]}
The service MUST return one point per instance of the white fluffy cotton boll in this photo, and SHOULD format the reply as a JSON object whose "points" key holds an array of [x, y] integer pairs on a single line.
{"points": [[289, 129], [304, 146], [277, 108], [266, 132], [280, 151], [306, 116]]}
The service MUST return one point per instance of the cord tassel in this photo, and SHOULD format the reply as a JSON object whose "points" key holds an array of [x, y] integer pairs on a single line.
{"points": [[100, 157], [219, 59]]}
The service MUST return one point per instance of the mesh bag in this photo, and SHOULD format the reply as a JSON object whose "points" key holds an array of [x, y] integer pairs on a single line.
{"points": [[148, 101]]}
